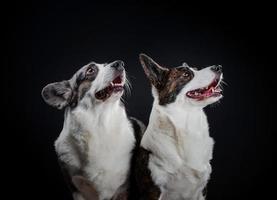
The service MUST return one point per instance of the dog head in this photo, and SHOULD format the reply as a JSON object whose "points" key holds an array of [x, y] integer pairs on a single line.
{"points": [[183, 84], [98, 82]]}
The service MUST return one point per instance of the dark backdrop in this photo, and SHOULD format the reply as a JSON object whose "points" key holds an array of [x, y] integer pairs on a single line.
{"points": [[48, 42]]}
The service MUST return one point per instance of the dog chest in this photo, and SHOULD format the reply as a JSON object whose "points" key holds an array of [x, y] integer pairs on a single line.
{"points": [[109, 159], [183, 183], [181, 150]]}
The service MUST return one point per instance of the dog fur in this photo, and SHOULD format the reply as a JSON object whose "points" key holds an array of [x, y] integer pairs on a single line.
{"points": [[176, 149], [95, 145]]}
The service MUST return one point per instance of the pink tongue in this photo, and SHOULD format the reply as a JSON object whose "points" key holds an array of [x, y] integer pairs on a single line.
{"points": [[209, 92], [117, 80]]}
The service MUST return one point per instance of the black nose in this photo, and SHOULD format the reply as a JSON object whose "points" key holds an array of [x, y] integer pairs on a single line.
{"points": [[217, 68], [119, 65]]}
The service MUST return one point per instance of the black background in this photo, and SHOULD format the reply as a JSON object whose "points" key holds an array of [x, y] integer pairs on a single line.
{"points": [[48, 42]]}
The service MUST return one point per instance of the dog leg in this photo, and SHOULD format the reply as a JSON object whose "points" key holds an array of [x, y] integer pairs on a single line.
{"points": [[121, 193], [77, 196], [85, 187]]}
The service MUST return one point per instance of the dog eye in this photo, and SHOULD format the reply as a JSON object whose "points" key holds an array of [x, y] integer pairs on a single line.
{"points": [[186, 74], [90, 71]]}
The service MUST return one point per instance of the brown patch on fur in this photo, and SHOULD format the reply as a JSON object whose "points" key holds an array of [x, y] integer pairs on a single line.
{"points": [[85, 187], [195, 173], [166, 125], [121, 196], [80, 146], [168, 82], [121, 193], [174, 80]]}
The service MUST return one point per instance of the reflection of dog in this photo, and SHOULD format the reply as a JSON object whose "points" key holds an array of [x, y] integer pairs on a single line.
{"points": [[97, 140], [176, 147]]}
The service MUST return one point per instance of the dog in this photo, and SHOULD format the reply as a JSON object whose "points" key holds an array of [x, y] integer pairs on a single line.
{"points": [[175, 151], [96, 143]]}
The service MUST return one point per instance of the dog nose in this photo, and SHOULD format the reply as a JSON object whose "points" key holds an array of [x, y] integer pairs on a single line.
{"points": [[119, 65], [217, 68]]}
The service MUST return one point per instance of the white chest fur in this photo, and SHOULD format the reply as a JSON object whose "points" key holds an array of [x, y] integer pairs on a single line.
{"points": [[105, 139], [181, 150]]}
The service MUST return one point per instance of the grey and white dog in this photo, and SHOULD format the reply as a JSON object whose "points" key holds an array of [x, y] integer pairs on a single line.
{"points": [[96, 143]]}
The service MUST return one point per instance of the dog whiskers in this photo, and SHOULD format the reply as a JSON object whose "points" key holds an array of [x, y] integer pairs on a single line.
{"points": [[127, 89], [224, 83], [128, 86]]}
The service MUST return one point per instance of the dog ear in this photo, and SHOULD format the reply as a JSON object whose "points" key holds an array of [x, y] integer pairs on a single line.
{"points": [[85, 187], [57, 94], [153, 70], [185, 64]]}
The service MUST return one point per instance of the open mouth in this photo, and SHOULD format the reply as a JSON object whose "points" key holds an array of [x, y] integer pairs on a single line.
{"points": [[212, 90], [115, 86]]}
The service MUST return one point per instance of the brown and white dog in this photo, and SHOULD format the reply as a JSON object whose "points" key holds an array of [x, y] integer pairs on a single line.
{"points": [[96, 144], [176, 149]]}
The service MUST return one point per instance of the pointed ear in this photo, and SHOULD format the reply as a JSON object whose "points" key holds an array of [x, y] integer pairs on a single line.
{"points": [[185, 64], [154, 72], [57, 94], [85, 187]]}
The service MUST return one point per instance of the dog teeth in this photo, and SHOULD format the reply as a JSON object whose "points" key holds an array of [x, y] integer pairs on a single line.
{"points": [[117, 84]]}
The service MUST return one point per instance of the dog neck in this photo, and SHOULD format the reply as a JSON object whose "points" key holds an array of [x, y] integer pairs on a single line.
{"points": [[103, 135], [106, 114], [186, 119], [182, 132]]}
